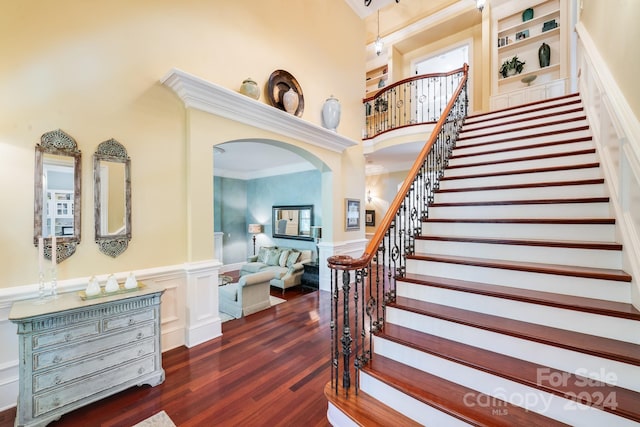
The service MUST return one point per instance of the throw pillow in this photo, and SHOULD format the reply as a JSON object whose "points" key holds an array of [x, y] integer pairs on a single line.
{"points": [[273, 256], [292, 258], [282, 261], [262, 253]]}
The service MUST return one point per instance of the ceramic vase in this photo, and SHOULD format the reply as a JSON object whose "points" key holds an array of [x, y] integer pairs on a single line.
{"points": [[544, 55], [290, 101], [331, 113], [250, 89]]}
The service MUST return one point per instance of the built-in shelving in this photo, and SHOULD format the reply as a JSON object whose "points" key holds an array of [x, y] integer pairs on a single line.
{"points": [[373, 78], [515, 37]]}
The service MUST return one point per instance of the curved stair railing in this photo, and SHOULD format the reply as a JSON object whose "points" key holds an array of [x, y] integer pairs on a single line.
{"points": [[362, 287], [413, 101]]}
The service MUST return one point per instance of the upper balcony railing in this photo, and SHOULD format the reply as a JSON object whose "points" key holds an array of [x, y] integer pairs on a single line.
{"points": [[413, 101]]}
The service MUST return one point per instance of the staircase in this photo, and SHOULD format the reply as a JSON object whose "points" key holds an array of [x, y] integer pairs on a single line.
{"points": [[515, 309]]}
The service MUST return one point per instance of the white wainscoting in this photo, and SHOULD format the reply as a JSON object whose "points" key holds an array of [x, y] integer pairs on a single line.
{"points": [[616, 133], [189, 312]]}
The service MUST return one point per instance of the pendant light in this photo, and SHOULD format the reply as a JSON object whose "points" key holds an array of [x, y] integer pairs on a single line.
{"points": [[480, 4], [378, 43]]}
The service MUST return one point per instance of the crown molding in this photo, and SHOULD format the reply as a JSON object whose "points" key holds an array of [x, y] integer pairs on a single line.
{"points": [[206, 96]]}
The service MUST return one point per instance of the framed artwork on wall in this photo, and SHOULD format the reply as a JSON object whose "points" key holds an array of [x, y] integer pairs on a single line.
{"points": [[370, 218], [351, 214]]}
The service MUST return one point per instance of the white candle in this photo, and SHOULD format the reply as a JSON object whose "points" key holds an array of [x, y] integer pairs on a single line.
{"points": [[40, 253]]}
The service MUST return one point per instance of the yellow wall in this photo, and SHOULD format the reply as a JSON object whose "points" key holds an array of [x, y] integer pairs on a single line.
{"points": [[92, 69], [384, 188], [613, 26]]}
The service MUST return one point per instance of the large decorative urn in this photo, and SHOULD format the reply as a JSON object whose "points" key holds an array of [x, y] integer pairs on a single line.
{"points": [[331, 113]]}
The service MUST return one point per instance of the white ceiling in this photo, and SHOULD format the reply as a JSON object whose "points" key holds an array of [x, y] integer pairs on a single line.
{"points": [[405, 25]]}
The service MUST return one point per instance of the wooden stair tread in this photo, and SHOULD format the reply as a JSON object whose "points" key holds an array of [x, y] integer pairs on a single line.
{"points": [[525, 202], [609, 246], [527, 127], [594, 181], [535, 106], [582, 343], [567, 302], [538, 117], [365, 410], [589, 221], [523, 171], [525, 158], [521, 371], [449, 397], [457, 155], [558, 269], [553, 133]]}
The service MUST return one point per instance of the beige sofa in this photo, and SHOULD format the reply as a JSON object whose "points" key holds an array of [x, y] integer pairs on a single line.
{"points": [[249, 295], [286, 265]]}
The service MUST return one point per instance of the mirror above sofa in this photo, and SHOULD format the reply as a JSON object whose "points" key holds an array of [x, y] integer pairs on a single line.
{"points": [[292, 222]]}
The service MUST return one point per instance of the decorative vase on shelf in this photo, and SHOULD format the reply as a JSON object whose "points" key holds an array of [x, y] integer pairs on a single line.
{"points": [[290, 101], [527, 14], [250, 88], [331, 113], [544, 55]]}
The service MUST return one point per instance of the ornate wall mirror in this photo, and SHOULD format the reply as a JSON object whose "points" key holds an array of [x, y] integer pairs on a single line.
{"points": [[112, 197], [57, 194], [292, 222]]}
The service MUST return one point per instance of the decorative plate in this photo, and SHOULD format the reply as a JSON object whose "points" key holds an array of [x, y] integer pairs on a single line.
{"points": [[280, 82]]}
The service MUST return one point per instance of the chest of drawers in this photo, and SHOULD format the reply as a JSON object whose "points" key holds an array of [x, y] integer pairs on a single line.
{"points": [[74, 352]]}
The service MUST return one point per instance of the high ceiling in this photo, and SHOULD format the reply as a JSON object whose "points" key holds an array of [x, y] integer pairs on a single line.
{"points": [[407, 24]]}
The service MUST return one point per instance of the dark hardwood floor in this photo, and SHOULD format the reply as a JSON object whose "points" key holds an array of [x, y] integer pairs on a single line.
{"points": [[268, 369]]}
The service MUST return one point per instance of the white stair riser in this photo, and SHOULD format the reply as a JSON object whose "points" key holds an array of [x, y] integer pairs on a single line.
{"points": [[525, 193], [596, 258], [474, 125], [525, 152], [587, 323], [625, 375], [607, 290], [515, 166], [498, 126], [408, 406], [558, 210], [520, 133], [577, 232], [500, 389], [523, 178], [337, 418], [500, 115], [464, 147]]}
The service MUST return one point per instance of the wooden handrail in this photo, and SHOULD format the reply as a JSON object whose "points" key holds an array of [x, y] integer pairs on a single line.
{"points": [[464, 69], [345, 262]]}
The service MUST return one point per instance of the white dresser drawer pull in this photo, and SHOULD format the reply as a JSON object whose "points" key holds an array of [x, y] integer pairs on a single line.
{"points": [[56, 402], [57, 359], [67, 337], [140, 335], [57, 380], [140, 352], [131, 322], [140, 371]]}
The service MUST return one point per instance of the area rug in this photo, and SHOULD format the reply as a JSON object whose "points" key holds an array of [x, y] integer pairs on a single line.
{"points": [[273, 300], [161, 419]]}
